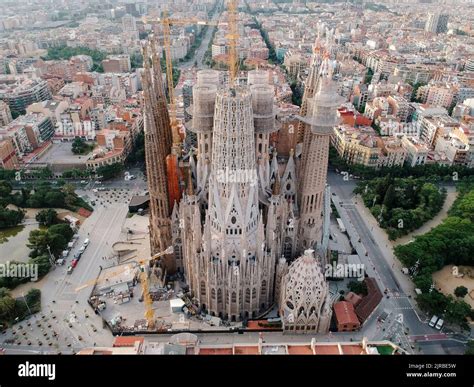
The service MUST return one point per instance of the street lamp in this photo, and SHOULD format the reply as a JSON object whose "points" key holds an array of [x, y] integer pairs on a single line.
{"points": [[51, 257], [24, 298]]}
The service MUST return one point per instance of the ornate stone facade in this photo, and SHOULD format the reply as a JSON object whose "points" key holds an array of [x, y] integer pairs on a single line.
{"points": [[305, 305], [246, 212]]}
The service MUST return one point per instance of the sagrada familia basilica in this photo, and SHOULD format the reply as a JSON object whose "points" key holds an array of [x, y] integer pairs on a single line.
{"points": [[248, 228]]}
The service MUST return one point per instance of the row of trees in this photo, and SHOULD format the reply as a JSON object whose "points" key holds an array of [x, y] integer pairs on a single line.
{"points": [[66, 52], [45, 244], [431, 172], [40, 195], [272, 56], [12, 309], [76, 174], [197, 42], [110, 171], [452, 242], [401, 205], [10, 218], [52, 240]]}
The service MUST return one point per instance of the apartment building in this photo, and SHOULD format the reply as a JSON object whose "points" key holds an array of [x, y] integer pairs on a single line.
{"points": [[8, 158], [417, 151], [399, 107], [356, 145], [28, 132], [117, 64], [379, 107], [433, 127], [437, 94], [19, 92], [5, 114], [112, 147], [455, 149]]}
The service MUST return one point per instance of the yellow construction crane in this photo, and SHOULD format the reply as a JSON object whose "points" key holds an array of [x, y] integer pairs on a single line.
{"points": [[105, 278], [149, 314], [147, 300], [233, 37], [166, 23]]}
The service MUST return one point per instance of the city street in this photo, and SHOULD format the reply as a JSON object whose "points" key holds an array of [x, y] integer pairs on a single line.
{"points": [[380, 262], [201, 50]]}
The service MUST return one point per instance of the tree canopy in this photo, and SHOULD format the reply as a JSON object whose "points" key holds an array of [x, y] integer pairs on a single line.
{"points": [[47, 217], [451, 242], [80, 146], [55, 239], [401, 204]]}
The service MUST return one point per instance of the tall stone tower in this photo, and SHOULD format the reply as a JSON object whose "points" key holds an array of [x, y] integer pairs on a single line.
{"points": [[319, 121], [310, 85], [229, 258], [204, 97], [157, 147]]}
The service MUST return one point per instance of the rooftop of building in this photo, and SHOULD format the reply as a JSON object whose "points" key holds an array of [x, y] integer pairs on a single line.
{"points": [[10, 84], [23, 120], [345, 313], [415, 142], [364, 135]]}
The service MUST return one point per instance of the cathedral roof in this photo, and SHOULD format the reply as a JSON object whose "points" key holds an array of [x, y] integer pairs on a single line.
{"points": [[306, 288]]}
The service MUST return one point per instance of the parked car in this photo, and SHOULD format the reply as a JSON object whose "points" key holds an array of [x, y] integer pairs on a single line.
{"points": [[82, 249], [439, 324], [74, 263], [383, 316], [86, 242], [77, 255], [70, 269], [433, 321]]}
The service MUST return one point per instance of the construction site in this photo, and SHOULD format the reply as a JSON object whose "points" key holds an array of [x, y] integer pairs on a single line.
{"points": [[133, 294]]}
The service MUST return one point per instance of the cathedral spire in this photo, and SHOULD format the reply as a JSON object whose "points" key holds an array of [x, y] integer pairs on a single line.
{"points": [[319, 121], [276, 186], [189, 183], [157, 130]]}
